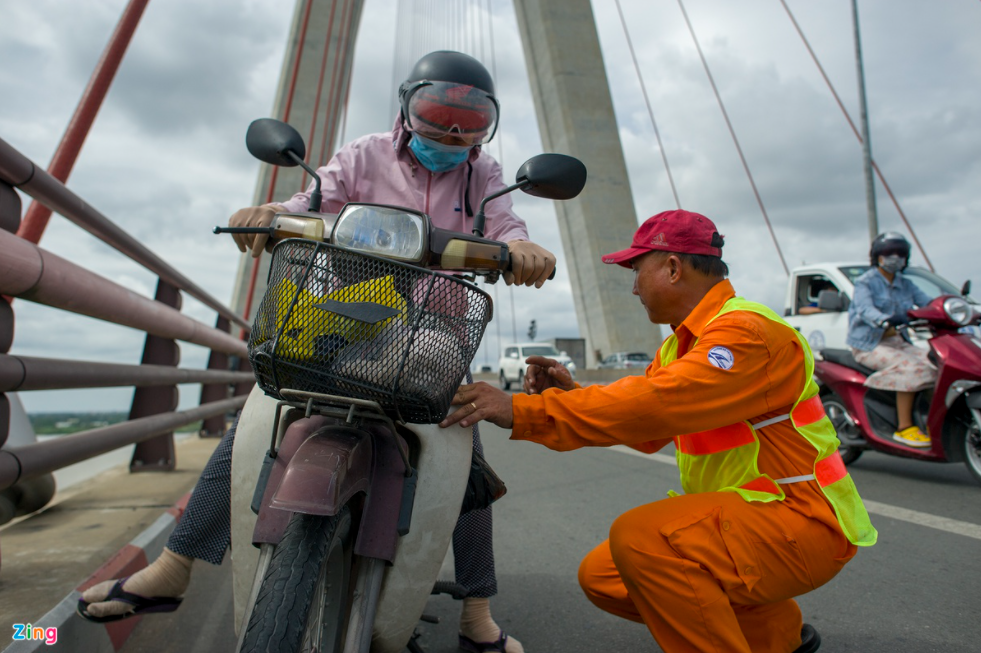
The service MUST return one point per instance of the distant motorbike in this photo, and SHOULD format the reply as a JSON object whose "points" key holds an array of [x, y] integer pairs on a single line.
{"points": [[949, 412], [358, 347]]}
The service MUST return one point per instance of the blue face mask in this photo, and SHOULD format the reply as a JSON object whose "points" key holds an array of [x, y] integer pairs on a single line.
{"points": [[435, 156]]}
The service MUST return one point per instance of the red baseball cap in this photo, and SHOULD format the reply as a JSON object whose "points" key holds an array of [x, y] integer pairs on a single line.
{"points": [[682, 232]]}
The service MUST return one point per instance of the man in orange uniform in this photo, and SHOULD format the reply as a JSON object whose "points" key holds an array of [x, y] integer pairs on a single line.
{"points": [[769, 511]]}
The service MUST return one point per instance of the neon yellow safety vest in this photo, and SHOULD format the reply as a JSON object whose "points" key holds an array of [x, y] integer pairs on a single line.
{"points": [[725, 458]]}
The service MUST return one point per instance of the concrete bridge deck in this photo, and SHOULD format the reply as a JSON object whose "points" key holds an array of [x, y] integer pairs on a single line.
{"points": [[912, 592], [46, 556]]}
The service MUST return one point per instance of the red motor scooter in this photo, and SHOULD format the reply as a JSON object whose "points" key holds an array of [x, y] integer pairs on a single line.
{"points": [[949, 412]]}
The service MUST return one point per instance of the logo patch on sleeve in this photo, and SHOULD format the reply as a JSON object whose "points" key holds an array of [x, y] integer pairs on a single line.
{"points": [[721, 357]]}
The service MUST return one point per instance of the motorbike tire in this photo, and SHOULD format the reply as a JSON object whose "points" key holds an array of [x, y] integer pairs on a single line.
{"points": [[304, 600], [835, 409], [971, 450]]}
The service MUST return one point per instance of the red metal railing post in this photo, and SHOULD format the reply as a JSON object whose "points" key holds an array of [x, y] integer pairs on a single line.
{"points": [[71, 143], [214, 427], [157, 454]]}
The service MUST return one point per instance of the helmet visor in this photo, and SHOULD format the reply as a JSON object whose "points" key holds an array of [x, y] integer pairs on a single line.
{"points": [[438, 109], [894, 249]]}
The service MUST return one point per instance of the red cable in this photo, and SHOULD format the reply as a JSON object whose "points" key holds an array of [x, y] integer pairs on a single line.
{"points": [[327, 146], [37, 215], [320, 89], [347, 93], [735, 140], [272, 180]]}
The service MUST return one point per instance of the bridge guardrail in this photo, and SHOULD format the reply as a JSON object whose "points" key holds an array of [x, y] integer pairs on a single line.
{"points": [[31, 273]]}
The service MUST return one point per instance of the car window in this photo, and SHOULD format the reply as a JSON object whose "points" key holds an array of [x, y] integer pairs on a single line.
{"points": [[509, 351], [932, 284], [540, 350], [809, 287], [638, 356], [853, 272]]}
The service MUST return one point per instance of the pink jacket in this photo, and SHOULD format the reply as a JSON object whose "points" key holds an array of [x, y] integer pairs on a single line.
{"points": [[380, 168]]}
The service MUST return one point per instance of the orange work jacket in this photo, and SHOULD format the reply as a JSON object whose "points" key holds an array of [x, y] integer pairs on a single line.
{"points": [[757, 377]]}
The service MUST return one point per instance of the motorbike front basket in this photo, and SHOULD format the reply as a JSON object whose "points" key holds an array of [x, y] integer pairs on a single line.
{"points": [[340, 322]]}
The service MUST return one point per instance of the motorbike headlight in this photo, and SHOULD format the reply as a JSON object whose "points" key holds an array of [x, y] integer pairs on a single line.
{"points": [[383, 231], [958, 310]]}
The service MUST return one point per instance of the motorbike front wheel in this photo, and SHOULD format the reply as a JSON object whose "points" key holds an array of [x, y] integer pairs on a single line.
{"points": [[302, 604], [835, 409], [972, 450]]}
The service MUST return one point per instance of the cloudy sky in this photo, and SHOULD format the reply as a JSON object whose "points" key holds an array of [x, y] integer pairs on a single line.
{"points": [[166, 158]]}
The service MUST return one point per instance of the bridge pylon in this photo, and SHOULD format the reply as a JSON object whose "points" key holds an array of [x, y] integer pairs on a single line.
{"points": [[311, 96], [575, 117]]}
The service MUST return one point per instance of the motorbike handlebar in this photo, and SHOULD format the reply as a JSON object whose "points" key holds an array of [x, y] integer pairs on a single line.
{"points": [[271, 231]]}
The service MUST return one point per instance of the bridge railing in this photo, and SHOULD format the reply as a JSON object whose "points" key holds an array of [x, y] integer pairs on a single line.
{"points": [[31, 273]]}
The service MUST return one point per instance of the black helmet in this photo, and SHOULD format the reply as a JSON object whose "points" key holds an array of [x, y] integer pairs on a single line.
{"points": [[888, 244], [450, 93]]}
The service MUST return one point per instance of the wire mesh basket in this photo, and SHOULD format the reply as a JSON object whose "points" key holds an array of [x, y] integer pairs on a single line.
{"points": [[340, 322]]}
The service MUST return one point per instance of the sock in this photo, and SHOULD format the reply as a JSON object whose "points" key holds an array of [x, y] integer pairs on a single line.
{"points": [[477, 624], [168, 575]]}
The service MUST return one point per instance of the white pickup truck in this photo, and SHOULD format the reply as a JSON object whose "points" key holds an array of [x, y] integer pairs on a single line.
{"points": [[818, 297]]}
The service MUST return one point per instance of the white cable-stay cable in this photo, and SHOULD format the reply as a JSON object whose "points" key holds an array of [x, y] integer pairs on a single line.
{"points": [[647, 101]]}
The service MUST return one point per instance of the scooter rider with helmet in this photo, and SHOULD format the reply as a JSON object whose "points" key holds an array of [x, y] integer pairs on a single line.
{"points": [[881, 300], [432, 161]]}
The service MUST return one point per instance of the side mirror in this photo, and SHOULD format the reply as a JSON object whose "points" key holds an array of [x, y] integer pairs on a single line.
{"points": [[830, 300], [275, 142], [552, 176], [272, 141], [966, 288]]}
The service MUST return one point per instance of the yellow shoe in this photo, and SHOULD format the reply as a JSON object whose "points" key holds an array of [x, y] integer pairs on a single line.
{"points": [[912, 437]]}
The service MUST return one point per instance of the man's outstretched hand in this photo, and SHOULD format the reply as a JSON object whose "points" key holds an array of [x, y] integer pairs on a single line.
{"points": [[544, 373], [480, 401]]}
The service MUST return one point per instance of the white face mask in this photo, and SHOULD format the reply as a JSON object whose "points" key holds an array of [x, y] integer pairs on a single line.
{"points": [[892, 264]]}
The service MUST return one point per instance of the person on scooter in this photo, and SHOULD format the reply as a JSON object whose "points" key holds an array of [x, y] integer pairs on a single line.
{"points": [[769, 510], [431, 160], [881, 300]]}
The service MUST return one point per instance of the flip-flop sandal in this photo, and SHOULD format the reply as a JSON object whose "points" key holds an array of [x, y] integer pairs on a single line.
{"points": [[467, 644], [141, 604]]}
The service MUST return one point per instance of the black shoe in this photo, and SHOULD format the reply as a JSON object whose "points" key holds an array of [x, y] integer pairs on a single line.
{"points": [[810, 641]]}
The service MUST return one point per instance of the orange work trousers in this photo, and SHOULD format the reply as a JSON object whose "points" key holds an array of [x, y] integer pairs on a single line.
{"points": [[714, 573]]}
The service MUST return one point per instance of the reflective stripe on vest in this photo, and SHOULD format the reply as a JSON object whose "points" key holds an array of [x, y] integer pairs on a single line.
{"points": [[738, 434], [725, 458]]}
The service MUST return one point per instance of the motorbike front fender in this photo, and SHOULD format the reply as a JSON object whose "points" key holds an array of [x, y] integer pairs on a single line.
{"points": [[443, 467], [329, 468]]}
